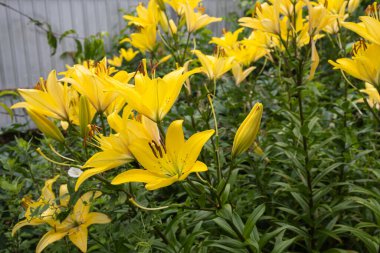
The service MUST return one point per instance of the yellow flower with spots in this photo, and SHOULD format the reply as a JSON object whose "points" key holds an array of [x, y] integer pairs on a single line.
{"points": [[197, 20], [47, 199], [115, 148], [51, 98], [169, 163], [75, 224], [153, 97], [369, 28], [214, 66], [364, 65], [145, 16]]}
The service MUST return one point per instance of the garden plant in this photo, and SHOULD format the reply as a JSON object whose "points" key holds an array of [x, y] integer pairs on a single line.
{"points": [[263, 139]]}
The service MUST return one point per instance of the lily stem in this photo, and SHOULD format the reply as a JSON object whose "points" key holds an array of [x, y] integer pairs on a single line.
{"points": [[216, 146]]}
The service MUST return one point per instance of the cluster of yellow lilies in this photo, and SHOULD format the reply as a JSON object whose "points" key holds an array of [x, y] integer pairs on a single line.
{"points": [[133, 105], [74, 225], [365, 61]]}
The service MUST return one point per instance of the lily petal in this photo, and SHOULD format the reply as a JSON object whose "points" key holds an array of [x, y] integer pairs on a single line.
{"points": [[79, 237], [135, 175], [97, 218], [49, 238]]}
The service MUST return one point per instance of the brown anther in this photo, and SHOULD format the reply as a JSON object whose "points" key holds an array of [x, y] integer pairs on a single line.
{"points": [[40, 85], [359, 46], [163, 145], [93, 130], [152, 148], [140, 68], [201, 9], [158, 148], [373, 10], [258, 7], [26, 201]]}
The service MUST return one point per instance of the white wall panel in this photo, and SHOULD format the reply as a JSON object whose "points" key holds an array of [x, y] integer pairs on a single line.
{"points": [[25, 53]]}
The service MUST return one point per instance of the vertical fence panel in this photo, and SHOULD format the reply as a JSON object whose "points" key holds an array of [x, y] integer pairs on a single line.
{"points": [[25, 53]]}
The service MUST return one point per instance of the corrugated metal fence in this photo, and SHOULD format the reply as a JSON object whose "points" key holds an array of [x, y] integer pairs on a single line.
{"points": [[25, 53]]}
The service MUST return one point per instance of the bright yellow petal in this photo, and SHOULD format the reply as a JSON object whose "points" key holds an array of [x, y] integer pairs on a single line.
{"points": [[174, 137], [64, 196], [23, 223], [135, 175], [193, 147], [47, 191], [46, 126], [145, 156], [78, 236], [82, 206], [198, 167], [162, 182], [49, 238], [97, 218]]}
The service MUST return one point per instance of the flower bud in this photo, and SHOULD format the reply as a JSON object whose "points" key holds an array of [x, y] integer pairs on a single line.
{"points": [[172, 26], [246, 134], [84, 116], [164, 22], [46, 126]]}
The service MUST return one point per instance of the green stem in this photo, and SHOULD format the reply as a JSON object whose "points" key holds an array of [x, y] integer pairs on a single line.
{"points": [[101, 115], [161, 129], [299, 84], [216, 147], [186, 46]]}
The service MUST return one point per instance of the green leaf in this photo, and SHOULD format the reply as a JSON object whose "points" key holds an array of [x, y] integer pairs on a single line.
{"points": [[225, 226], [52, 40], [252, 219], [283, 245], [66, 33]]}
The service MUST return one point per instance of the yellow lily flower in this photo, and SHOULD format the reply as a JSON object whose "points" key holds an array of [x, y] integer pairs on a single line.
{"points": [[214, 66], [239, 74], [145, 40], [353, 5], [229, 39], [45, 125], [197, 20], [373, 96], [337, 7], [75, 225], [145, 16], [319, 18], [246, 51], [91, 83], [267, 18], [178, 5], [47, 198], [154, 97], [369, 28], [115, 151], [247, 132], [364, 65], [116, 61], [52, 99], [169, 163], [129, 54], [287, 7]]}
